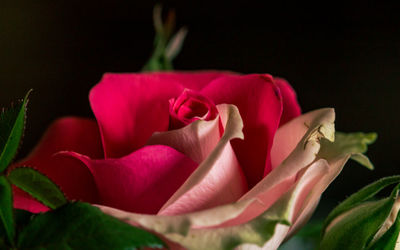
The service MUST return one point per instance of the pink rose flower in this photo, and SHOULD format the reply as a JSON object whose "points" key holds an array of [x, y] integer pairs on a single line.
{"points": [[197, 158]]}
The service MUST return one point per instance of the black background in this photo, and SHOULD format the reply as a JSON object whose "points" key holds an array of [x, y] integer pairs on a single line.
{"points": [[342, 56]]}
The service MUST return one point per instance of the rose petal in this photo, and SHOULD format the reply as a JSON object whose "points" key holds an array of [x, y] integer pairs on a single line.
{"points": [[24, 201], [195, 80], [71, 133], [337, 154], [267, 229], [196, 140], [129, 108], [291, 107], [180, 224], [282, 178], [288, 136], [189, 229], [293, 199], [258, 100], [142, 181], [189, 107], [287, 204], [219, 179], [310, 204]]}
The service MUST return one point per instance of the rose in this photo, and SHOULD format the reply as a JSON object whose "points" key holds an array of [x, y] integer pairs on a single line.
{"points": [[170, 144]]}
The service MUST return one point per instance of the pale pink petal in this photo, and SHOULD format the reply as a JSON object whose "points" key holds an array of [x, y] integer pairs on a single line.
{"points": [[181, 224], [335, 167], [142, 181], [71, 133], [288, 136], [259, 102], [219, 179], [282, 178], [300, 190], [287, 206], [196, 140]]}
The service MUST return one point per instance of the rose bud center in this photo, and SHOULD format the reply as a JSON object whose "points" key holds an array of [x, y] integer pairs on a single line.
{"points": [[190, 106]]}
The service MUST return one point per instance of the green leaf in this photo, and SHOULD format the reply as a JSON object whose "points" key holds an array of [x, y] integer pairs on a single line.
{"points": [[22, 219], [82, 226], [356, 228], [12, 124], [6, 210], [389, 239], [362, 195], [311, 230], [38, 186], [354, 144]]}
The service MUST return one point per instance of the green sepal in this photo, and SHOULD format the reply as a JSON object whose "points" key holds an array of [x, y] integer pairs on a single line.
{"points": [[356, 228], [307, 238], [166, 45], [360, 196], [83, 226], [38, 186], [12, 125], [355, 144], [389, 239], [7, 226]]}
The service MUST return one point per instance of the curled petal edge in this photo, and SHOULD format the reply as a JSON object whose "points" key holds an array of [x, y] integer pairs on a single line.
{"points": [[219, 179]]}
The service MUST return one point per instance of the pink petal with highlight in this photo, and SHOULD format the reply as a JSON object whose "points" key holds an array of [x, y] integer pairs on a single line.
{"points": [[142, 181], [335, 167], [302, 188], [282, 178], [219, 179], [197, 140], [288, 136]]}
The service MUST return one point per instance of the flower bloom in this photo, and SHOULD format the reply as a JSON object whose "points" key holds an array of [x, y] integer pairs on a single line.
{"points": [[207, 160]]}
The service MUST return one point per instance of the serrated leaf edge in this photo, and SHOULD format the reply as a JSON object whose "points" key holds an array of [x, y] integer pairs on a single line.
{"points": [[30, 194], [24, 102]]}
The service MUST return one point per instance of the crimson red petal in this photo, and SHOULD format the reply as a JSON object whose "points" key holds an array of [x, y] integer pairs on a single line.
{"points": [[291, 108], [142, 181], [260, 106], [130, 107], [24, 201]]}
